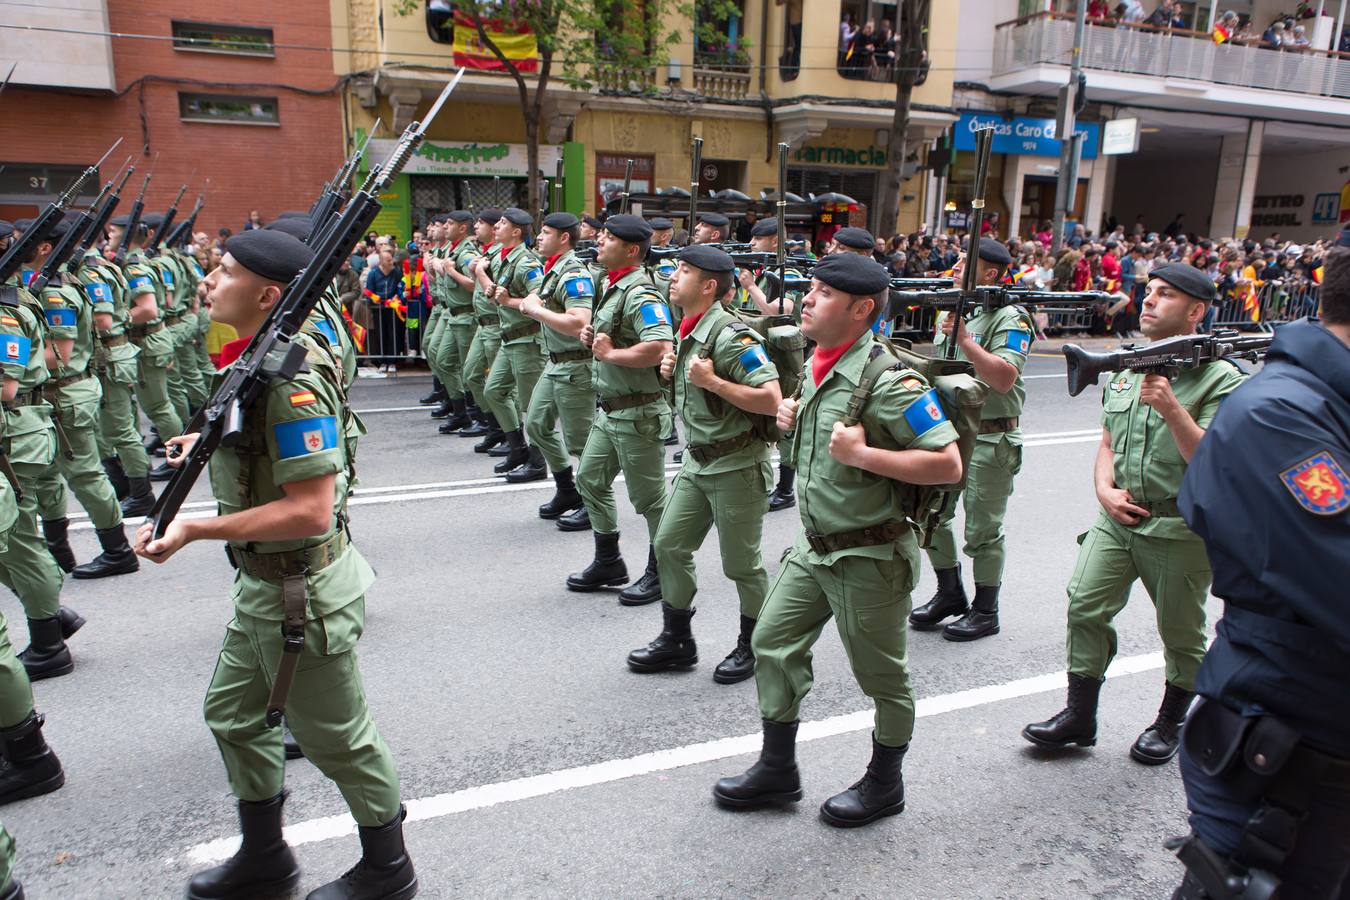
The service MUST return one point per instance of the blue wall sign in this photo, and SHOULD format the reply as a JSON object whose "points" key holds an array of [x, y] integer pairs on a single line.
{"points": [[1022, 136]]}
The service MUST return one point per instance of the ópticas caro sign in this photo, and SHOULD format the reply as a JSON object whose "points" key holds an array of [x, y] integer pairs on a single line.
{"points": [[470, 158]]}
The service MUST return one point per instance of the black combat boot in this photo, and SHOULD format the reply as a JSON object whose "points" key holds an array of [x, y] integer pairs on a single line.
{"points": [[384, 872], [28, 767], [117, 557], [981, 620], [949, 600], [517, 454], [154, 445], [535, 469], [772, 779], [141, 499], [264, 864], [161, 472], [117, 477], [492, 437], [879, 793], [71, 621], [783, 496], [47, 655], [740, 662], [1076, 723], [606, 570], [647, 589], [674, 647], [459, 418], [437, 394], [14, 891], [442, 410], [479, 427], [577, 520], [57, 542], [1160, 741], [566, 497]]}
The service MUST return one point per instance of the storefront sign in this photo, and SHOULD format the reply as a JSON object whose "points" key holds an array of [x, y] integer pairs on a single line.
{"points": [[471, 158], [868, 155], [1023, 136], [1121, 136]]}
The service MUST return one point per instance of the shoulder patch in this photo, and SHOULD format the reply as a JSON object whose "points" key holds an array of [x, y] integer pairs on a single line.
{"points": [[753, 357], [1319, 484], [98, 292], [579, 285], [1121, 384], [15, 350], [325, 328], [655, 314], [60, 317], [910, 382], [10, 321], [1019, 342], [140, 284], [925, 413], [303, 398], [166, 275], [302, 437]]}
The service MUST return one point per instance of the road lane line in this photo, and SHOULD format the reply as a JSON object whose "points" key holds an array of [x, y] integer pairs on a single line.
{"points": [[488, 795]]}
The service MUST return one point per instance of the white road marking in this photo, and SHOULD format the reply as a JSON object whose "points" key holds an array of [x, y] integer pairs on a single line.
{"points": [[385, 409], [488, 795]]}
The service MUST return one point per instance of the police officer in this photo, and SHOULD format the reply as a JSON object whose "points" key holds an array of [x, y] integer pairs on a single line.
{"points": [[722, 376], [1268, 491], [857, 559], [858, 241], [487, 338], [458, 323], [282, 491], [630, 333], [997, 343], [562, 305], [1150, 429]]}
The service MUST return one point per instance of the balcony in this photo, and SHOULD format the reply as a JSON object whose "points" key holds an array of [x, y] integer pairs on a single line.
{"points": [[1182, 69], [721, 84]]}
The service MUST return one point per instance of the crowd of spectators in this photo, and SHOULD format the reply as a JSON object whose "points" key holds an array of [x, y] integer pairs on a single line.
{"points": [[1285, 32]]}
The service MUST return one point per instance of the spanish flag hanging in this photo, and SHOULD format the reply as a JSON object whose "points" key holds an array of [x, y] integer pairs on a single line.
{"points": [[514, 39]]}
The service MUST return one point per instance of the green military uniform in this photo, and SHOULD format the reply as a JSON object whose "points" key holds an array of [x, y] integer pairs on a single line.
{"points": [[458, 323], [629, 432], [156, 345], [564, 393], [856, 560], [435, 327], [116, 367], [1160, 550], [1006, 333], [293, 433], [521, 359], [186, 390], [487, 339]]}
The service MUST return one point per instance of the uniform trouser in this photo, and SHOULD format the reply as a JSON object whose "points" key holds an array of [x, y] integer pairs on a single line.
{"points": [[326, 711], [79, 464], [564, 394], [6, 858], [174, 383], [431, 336], [452, 349], [188, 368], [869, 600], [1174, 571], [733, 501], [989, 484], [518, 366], [16, 692], [478, 362], [636, 447], [152, 389], [118, 434], [26, 566]]}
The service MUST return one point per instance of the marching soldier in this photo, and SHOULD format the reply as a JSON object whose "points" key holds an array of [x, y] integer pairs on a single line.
{"points": [[185, 380], [1150, 429], [857, 559], [458, 322], [712, 228], [282, 492], [858, 241], [997, 343], [433, 251], [487, 338], [663, 231], [562, 304], [630, 333], [722, 378]]}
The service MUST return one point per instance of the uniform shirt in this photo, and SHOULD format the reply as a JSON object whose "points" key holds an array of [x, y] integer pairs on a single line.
{"points": [[567, 286], [325, 322], [631, 312], [437, 283], [902, 413], [143, 278], [737, 356], [1146, 460], [521, 273], [1007, 333], [175, 281], [482, 306], [293, 432], [1269, 491], [106, 291], [463, 252], [29, 429], [70, 316]]}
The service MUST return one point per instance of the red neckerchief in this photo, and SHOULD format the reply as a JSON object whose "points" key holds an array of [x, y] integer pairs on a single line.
{"points": [[232, 350], [687, 324], [548, 264], [615, 275], [506, 250], [454, 245], [823, 360]]}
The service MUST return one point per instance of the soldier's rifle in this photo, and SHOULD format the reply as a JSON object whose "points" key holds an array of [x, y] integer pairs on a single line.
{"points": [[782, 224], [627, 187], [334, 193], [134, 217], [694, 172], [66, 245], [152, 245], [1169, 356], [183, 229], [93, 229], [984, 143]]}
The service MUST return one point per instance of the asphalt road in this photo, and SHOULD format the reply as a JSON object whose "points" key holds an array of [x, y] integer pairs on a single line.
{"points": [[536, 765]]}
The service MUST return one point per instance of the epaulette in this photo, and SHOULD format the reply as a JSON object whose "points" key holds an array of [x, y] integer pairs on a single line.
{"points": [[9, 296]]}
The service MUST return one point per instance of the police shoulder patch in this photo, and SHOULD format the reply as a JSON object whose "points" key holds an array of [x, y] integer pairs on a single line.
{"points": [[303, 437], [1319, 484], [925, 413]]}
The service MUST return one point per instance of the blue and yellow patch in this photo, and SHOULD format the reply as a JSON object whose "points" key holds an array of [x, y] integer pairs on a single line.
{"points": [[925, 413], [15, 350], [666, 270], [166, 276], [303, 437], [325, 328], [1019, 342], [655, 314], [140, 284], [60, 317], [98, 292], [1319, 484], [579, 286], [197, 270], [753, 357]]}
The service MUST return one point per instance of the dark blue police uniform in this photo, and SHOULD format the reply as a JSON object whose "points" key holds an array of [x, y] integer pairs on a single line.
{"points": [[1269, 492]]}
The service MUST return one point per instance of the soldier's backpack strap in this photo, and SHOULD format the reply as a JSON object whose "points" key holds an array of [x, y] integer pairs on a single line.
{"points": [[878, 363]]}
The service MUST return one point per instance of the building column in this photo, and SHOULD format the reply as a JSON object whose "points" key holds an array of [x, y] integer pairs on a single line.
{"points": [[1239, 163], [1098, 182], [1014, 177]]}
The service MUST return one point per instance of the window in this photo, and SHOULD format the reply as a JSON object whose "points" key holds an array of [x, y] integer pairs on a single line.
{"points": [[242, 40], [718, 43], [440, 21], [228, 108]]}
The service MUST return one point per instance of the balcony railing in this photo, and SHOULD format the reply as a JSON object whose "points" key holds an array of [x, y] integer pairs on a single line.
{"points": [[1047, 39], [624, 80], [721, 84]]}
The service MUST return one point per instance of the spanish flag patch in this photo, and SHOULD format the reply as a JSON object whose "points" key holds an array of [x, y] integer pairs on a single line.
{"points": [[303, 398], [9, 320]]}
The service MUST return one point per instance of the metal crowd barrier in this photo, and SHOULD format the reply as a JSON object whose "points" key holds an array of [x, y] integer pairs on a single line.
{"points": [[1275, 302], [390, 339]]}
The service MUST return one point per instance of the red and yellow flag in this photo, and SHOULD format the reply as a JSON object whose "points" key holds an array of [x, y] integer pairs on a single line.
{"points": [[1220, 34], [514, 39]]}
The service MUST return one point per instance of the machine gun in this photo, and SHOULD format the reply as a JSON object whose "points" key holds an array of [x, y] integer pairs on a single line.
{"points": [[93, 229], [1169, 356], [996, 296], [984, 144]]}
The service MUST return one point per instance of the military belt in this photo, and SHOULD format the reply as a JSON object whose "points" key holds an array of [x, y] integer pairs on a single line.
{"points": [[289, 563], [460, 310], [706, 453], [1159, 509], [141, 331], [628, 401], [174, 318], [489, 320], [28, 398], [115, 340], [55, 384], [998, 426], [871, 536], [568, 356], [520, 331]]}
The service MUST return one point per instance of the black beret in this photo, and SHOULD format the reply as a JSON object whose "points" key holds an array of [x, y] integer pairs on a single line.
{"points": [[299, 228], [6, 228], [707, 258], [275, 255], [716, 220], [561, 220], [593, 222], [59, 230], [992, 251], [491, 215], [121, 221], [860, 276], [857, 238], [152, 220], [293, 214], [633, 229], [661, 223], [764, 228], [459, 215], [23, 224], [1344, 239], [1187, 279], [517, 216]]}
